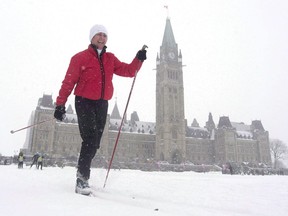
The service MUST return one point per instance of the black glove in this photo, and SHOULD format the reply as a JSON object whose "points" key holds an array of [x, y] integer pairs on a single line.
{"points": [[59, 113], [141, 55]]}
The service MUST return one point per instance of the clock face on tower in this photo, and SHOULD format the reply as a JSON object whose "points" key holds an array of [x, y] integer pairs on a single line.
{"points": [[171, 55]]}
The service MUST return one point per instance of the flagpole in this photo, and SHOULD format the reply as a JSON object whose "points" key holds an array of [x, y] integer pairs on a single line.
{"points": [[167, 10]]}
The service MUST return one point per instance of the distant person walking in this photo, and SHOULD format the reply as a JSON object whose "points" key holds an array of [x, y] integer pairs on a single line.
{"points": [[35, 159], [91, 72], [20, 160], [40, 162], [230, 169]]}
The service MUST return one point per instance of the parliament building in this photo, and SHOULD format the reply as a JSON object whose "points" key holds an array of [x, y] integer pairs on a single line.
{"points": [[169, 139]]}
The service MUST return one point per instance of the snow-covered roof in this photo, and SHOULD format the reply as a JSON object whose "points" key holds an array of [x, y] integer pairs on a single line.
{"points": [[242, 130], [197, 132], [46, 108], [71, 118], [136, 127], [241, 126]]}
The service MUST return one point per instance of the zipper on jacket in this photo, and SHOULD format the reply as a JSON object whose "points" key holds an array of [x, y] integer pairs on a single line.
{"points": [[99, 57], [103, 76]]}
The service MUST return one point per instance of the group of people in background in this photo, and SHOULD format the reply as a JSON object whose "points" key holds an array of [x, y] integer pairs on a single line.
{"points": [[37, 159]]}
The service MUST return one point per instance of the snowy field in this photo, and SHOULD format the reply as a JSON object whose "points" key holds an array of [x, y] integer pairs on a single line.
{"points": [[50, 192]]}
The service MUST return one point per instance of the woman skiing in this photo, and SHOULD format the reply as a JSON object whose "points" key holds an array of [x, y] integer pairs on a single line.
{"points": [[91, 72]]}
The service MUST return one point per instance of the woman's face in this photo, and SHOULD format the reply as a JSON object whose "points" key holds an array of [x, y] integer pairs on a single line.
{"points": [[99, 40]]}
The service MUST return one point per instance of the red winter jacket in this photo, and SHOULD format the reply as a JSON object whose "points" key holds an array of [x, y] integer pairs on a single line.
{"points": [[93, 75]]}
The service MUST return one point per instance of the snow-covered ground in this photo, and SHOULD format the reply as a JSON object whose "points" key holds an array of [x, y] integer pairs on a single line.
{"points": [[50, 192]]}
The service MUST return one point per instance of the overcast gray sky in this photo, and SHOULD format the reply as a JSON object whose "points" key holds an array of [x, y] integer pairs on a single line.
{"points": [[235, 54]]}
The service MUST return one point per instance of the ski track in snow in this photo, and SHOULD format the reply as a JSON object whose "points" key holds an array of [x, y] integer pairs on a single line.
{"points": [[132, 192]]}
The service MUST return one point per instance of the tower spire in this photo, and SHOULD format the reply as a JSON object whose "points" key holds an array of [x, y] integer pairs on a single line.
{"points": [[168, 38], [115, 112]]}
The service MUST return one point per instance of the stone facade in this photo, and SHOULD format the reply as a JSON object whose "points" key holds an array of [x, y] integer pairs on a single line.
{"points": [[170, 139]]}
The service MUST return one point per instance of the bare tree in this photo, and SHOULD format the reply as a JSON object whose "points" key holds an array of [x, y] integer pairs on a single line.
{"points": [[278, 150]]}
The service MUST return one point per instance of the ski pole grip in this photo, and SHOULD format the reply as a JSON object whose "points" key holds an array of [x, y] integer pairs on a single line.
{"points": [[144, 47]]}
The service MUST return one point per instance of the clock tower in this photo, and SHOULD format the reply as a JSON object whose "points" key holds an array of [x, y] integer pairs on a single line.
{"points": [[170, 119]]}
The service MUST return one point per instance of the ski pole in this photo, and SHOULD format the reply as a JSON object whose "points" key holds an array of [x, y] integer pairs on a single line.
{"points": [[119, 130], [14, 131]]}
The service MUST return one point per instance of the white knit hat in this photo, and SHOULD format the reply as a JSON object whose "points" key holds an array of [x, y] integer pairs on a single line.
{"points": [[97, 29]]}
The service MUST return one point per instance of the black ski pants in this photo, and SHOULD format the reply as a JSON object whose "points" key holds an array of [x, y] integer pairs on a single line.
{"points": [[91, 116]]}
